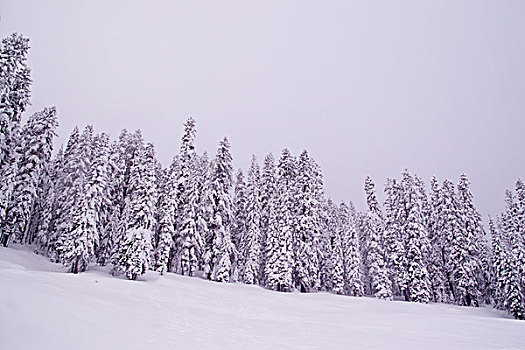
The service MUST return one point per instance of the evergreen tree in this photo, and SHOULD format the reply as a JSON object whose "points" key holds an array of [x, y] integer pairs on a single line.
{"points": [[395, 237], [98, 192], [449, 228], [165, 227], [251, 241], [465, 247], [418, 285], [268, 183], [189, 222], [338, 274], [75, 168], [134, 253], [279, 258], [81, 234], [515, 248], [330, 225], [130, 150], [509, 293], [239, 224], [34, 151], [15, 83], [47, 230], [353, 278], [134, 250], [221, 250], [305, 205], [380, 282], [88, 215], [438, 255], [361, 224]]}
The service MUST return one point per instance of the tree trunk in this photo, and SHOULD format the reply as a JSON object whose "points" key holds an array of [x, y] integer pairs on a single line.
{"points": [[5, 239]]}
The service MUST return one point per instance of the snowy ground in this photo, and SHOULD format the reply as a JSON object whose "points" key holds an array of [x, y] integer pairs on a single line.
{"points": [[43, 307]]}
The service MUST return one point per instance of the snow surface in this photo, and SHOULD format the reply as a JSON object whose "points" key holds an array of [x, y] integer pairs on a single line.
{"points": [[43, 307]]}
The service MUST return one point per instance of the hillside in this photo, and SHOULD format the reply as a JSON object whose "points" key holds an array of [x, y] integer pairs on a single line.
{"points": [[43, 307]]}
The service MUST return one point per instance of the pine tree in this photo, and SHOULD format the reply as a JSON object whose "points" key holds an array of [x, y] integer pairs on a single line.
{"points": [[395, 236], [34, 151], [128, 151], [133, 254], [361, 224], [165, 226], [509, 293], [418, 285], [380, 282], [279, 259], [330, 225], [190, 221], [134, 251], [221, 250], [338, 275], [44, 206], [465, 247], [251, 241], [439, 252], [81, 235], [268, 183], [15, 83], [98, 192], [88, 215], [516, 248], [449, 227], [306, 203], [112, 230], [239, 224], [353, 278], [47, 231], [75, 169]]}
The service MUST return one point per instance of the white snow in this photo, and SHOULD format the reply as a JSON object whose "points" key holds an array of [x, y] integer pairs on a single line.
{"points": [[44, 307]]}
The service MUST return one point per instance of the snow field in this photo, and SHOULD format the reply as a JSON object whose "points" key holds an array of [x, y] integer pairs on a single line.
{"points": [[43, 307]]}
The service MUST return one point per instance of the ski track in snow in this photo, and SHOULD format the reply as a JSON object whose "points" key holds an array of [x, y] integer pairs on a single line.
{"points": [[44, 307]]}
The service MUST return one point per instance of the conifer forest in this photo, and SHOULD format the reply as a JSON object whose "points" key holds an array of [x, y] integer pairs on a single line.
{"points": [[107, 201]]}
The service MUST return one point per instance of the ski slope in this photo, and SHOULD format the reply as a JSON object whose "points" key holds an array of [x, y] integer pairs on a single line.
{"points": [[43, 307]]}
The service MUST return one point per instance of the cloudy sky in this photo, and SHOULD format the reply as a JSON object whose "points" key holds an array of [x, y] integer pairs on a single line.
{"points": [[369, 88]]}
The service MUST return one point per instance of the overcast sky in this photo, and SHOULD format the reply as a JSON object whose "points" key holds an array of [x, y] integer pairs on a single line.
{"points": [[369, 88]]}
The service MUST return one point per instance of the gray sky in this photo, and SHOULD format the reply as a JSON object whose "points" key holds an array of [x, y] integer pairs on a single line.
{"points": [[368, 88]]}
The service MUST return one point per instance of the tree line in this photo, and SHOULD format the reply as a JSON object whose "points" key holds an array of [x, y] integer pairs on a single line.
{"points": [[103, 201]]}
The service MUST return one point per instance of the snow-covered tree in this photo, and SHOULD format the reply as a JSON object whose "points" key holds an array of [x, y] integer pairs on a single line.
{"points": [[305, 204], [81, 235], [250, 244], [34, 152], [338, 274], [268, 183], [507, 278], [515, 252], [353, 278], [465, 248], [279, 258], [380, 282], [133, 257], [15, 83], [330, 225], [88, 217], [70, 188], [418, 284], [97, 190], [221, 251], [165, 226], [395, 237], [134, 253], [189, 221]]}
